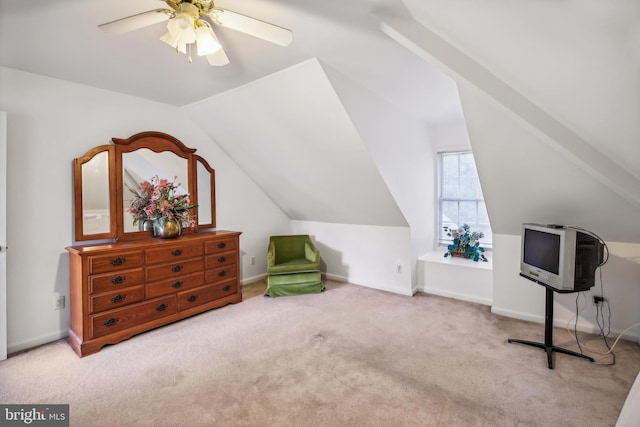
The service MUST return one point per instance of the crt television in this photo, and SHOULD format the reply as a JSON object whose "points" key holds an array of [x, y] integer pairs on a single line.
{"points": [[564, 258]]}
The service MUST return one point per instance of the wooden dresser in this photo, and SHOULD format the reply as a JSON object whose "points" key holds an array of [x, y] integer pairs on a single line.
{"points": [[121, 289]]}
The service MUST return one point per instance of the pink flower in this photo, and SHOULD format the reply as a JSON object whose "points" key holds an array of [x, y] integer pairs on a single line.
{"points": [[157, 200]]}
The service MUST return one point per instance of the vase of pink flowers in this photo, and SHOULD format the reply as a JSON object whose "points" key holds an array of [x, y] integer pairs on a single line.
{"points": [[160, 202]]}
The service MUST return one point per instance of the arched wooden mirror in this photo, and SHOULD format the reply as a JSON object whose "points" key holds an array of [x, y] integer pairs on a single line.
{"points": [[104, 176], [94, 188]]}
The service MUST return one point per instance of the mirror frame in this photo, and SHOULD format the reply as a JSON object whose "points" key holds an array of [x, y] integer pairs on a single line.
{"points": [[212, 185], [157, 142], [77, 189]]}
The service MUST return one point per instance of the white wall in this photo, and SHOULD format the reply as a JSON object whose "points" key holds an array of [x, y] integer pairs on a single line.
{"points": [[401, 147], [3, 234], [517, 297], [363, 254], [456, 278], [51, 122], [524, 179], [535, 167], [450, 277]]}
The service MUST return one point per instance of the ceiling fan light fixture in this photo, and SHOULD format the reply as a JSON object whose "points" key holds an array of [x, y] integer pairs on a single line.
{"points": [[181, 28], [168, 39], [206, 41], [187, 24]]}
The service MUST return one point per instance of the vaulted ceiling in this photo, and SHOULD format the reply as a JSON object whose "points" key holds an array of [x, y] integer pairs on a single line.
{"points": [[576, 62], [61, 39], [272, 109]]}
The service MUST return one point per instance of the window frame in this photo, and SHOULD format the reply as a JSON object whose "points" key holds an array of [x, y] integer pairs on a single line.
{"points": [[442, 242]]}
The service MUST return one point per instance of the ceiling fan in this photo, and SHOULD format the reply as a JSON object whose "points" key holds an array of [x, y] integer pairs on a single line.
{"points": [[190, 22]]}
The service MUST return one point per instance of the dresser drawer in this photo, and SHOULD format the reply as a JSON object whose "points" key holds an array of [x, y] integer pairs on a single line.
{"points": [[174, 270], [221, 259], [220, 274], [117, 299], [136, 314], [221, 245], [173, 253], [174, 285], [205, 294], [115, 262], [115, 281]]}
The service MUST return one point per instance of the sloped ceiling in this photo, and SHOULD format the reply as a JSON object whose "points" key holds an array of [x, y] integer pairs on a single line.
{"points": [[272, 109], [61, 39], [546, 88], [292, 136], [578, 60]]}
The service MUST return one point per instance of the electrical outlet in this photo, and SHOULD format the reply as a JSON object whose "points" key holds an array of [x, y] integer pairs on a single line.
{"points": [[597, 299], [58, 302], [252, 260]]}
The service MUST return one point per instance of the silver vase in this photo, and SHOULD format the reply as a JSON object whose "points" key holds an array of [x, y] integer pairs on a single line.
{"points": [[167, 229], [145, 225]]}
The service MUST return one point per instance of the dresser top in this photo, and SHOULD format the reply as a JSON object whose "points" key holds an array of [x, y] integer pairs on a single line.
{"points": [[151, 241]]}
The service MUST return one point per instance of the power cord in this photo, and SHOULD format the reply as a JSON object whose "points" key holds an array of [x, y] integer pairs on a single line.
{"points": [[600, 320], [574, 333]]}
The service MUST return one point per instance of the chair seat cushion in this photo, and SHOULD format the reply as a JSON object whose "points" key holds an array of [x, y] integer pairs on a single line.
{"points": [[294, 266], [279, 285]]}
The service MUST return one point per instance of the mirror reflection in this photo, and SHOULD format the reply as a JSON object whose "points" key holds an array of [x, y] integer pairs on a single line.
{"points": [[95, 195], [204, 194], [144, 164]]}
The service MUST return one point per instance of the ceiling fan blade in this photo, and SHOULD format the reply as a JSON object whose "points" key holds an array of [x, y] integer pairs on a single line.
{"points": [[219, 57], [134, 22], [254, 27]]}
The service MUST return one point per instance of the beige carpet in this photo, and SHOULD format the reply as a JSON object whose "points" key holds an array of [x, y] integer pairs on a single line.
{"points": [[351, 356]]}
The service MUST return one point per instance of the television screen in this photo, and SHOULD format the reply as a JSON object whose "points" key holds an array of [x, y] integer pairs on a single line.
{"points": [[542, 250]]}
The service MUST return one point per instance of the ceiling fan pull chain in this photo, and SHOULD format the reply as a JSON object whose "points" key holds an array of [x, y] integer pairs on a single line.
{"points": [[189, 49]]}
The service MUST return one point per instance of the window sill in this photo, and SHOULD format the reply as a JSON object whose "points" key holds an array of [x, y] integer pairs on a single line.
{"points": [[438, 257]]}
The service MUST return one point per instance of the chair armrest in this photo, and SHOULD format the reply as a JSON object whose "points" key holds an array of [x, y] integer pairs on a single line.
{"points": [[310, 252], [271, 255]]}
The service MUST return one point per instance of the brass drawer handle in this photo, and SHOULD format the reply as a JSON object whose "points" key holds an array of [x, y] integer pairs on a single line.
{"points": [[227, 288], [111, 321], [192, 298], [118, 280], [222, 245], [222, 273], [177, 252], [118, 261], [176, 268], [118, 298], [222, 259], [162, 307], [177, 284]]}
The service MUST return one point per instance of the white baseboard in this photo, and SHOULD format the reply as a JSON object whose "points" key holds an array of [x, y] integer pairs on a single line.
{"points": [[368, 285], [248, 280], [455, 295], [517, 315], [335, 277], [582, 326], [37, 341]]}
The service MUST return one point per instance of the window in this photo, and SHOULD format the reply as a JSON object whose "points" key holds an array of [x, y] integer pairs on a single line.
{"points": [[461, 200]]}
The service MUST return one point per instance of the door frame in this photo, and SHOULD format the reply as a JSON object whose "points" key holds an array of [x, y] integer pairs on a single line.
{"points": [[3, 236]]}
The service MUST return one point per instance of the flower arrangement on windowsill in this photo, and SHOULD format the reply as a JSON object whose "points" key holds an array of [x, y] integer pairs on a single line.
{"points": [[466, 244], [157, 200]]}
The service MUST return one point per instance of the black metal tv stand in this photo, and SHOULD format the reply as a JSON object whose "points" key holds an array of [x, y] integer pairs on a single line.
{"points": [[548, 328]]}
